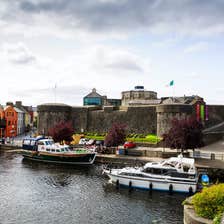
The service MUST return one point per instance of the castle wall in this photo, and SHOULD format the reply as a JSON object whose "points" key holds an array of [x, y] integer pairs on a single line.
{"points": [[215, 115], [137, 119], [79, 117]]}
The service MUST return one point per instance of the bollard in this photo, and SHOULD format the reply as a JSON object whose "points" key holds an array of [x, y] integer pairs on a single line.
{"points": [[212, 156]]}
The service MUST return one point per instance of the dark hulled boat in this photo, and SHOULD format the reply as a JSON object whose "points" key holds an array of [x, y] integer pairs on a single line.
{"points": [[45, 150]]}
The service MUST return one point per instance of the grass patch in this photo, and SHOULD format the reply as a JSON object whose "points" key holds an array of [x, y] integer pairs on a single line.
{"points": [[152, 139], [96, 137]]}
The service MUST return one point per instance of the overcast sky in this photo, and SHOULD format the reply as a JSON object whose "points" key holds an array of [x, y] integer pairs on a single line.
{"points": [[58, 50]]}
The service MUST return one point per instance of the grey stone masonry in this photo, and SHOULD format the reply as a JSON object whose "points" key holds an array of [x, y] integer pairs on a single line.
{"points": [[167, 112]]}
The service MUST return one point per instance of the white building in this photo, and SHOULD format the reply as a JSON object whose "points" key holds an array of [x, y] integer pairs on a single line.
{"points": [[20, 121]]}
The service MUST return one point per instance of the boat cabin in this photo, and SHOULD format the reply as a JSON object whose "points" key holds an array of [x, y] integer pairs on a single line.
{"points": [[32, 144]]}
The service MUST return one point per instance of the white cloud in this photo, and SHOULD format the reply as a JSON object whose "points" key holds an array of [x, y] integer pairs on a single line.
{"points": [[197, 47], [113, 17], [18, 53], [193, 76], [75, 75], [116, 59], [106, 44]]}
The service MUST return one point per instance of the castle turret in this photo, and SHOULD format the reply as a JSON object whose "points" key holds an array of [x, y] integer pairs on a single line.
{"points": [[51, 114], [167, 112]]}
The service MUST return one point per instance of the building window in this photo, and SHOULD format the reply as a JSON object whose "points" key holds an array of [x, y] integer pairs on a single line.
{"points": [[93, 101], [9, 123]]}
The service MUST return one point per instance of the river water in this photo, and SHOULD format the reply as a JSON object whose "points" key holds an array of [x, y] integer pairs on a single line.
{"points": [[38, 193]]}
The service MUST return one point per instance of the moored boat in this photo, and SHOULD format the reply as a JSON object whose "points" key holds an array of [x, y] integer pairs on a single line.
{"points": [[176, 174], [45, 150]]}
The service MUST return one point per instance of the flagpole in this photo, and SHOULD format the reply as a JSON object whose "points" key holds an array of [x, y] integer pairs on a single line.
{"points": [[55, 92], [173, 93]]}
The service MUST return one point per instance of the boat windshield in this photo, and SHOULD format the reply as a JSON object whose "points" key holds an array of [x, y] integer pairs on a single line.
{"points": [[49, 142], [65, 149]]}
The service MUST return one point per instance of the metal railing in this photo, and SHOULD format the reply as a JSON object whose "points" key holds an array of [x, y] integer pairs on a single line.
{"points": [[207, 155]]}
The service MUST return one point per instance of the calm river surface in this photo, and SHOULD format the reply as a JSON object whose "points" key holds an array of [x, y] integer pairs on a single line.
{"points": [[32, 192]]}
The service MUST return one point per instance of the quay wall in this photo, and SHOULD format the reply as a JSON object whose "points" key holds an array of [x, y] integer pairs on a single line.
{"points": [[190, 217]]}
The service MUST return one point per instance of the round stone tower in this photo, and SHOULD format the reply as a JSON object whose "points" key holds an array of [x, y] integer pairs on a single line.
{"points": [[167, 112], [139, 93], [50, 114]]}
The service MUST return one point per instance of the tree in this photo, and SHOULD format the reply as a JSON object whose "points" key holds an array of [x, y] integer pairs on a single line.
{"points": [[184, 134], [62, 131], [116, 135]]}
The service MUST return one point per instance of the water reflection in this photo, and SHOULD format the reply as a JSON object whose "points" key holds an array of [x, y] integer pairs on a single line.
{"points": [[33, 192]]}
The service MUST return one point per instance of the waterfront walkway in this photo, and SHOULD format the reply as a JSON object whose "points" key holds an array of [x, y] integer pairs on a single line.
{"points": [[157, 154], [132, 160]]}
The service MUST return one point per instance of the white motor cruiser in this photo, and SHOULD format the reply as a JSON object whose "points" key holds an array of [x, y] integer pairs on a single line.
{"points": [[176, 174]]}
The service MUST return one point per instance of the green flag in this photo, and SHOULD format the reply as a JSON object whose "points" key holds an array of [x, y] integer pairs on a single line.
{"points": [[172, 83]]}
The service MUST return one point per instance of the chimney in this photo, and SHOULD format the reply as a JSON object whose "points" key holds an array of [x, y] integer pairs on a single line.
{"points": [[9, 104], [18, 104]]}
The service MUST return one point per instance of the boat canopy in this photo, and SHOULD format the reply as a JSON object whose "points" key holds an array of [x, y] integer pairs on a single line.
{"points": [[173, 161]]}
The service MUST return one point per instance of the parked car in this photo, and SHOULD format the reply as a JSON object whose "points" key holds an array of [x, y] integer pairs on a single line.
{"points": [[2, 140], [129, 145], [83, 141], [91, 142], [99, 142]]}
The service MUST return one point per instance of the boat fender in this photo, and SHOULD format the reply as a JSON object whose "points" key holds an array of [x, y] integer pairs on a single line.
{"points": [[117, 184], [150, 186], [171, 188], [190, 190], [130, 185]]}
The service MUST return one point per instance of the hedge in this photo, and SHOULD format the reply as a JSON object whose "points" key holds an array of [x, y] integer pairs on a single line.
{"points": [[210, 202]]}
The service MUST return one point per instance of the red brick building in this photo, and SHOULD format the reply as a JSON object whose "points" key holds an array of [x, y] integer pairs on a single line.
{"points": [[11, 121]]}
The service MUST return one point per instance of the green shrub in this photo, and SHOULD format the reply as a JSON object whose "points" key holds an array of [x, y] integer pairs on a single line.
{"points": [[210, 202], [217, 219]]}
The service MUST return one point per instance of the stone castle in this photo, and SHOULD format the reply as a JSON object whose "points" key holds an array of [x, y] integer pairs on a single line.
{"points": [[139, 109]]}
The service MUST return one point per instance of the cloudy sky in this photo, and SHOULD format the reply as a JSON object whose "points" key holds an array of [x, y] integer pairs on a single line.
{"points": [[58, 50]]}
